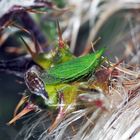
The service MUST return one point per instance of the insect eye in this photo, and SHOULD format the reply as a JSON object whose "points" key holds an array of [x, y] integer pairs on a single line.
{"points": [[35, 84]]}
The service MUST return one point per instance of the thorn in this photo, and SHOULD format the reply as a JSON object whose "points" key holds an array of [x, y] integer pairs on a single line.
{"points": [[38, 48], [60, 116], [33, 54], [61, 42], [21, 28], [35, 11], [112, 68], [87, 49], [6, 24], [95, 42], [27, 109], [21, 102], [115, 65]]}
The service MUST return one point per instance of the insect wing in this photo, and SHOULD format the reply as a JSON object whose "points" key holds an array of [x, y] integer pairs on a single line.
{"points": [[73, 69]]}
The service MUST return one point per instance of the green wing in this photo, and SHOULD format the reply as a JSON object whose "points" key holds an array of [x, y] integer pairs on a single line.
{"points": [[73, 69]]}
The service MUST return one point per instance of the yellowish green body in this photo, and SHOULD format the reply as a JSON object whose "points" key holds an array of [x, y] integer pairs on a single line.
{"points": [[70, 92], [56, 56]]}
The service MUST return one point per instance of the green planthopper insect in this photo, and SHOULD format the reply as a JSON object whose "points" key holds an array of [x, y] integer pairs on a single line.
{"points": [[58, 80], [58, 87], [59, 76]]}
